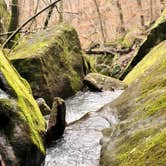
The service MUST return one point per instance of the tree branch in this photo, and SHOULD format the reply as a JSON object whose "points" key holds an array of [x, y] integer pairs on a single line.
{"points": [[27, 21]]}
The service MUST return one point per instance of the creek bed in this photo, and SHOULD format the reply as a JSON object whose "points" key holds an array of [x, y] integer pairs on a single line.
{"points": [[80, 145]]}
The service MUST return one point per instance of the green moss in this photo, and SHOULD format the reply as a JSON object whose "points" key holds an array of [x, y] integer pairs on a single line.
{"points": [[51, 62], [89, 63], [160, 20], [156, 36], [157, 54], [29, 109], [36, 45], [142, 111], [143, 149]]}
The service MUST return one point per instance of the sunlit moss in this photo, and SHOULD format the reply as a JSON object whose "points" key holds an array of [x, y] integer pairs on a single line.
{"points": [[29, 109], [157, 54], [143, 148]]}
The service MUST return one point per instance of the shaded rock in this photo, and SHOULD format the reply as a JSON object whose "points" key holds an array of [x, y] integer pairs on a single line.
{"points": [[51, 62], [44, 108], [22, 125], [139, 138], [99, 82], [57, 123], [156, 35]]}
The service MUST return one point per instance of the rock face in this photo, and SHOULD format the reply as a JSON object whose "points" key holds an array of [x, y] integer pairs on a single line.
{"points": [[156, 35], [139, 138], [22, 125], [44, 108], [99, 82], [57, 123], [51, 62]]}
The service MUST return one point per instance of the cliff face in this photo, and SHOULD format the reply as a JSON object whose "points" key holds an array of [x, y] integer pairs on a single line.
{"points": [[139, 137]]}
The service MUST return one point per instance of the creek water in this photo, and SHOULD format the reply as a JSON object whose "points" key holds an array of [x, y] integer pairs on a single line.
{"points": [[3, 95], [80, 145]]}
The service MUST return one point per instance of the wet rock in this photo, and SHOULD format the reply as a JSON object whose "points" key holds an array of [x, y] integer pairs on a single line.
{"points": [[44, 108], [51, 62], [57, 123], [99, 82], [22, 125]]}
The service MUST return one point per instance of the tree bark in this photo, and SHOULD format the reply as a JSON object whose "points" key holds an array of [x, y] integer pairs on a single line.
{"points": [[151, 11], [100, 21], [14, 20], [162, 5], [36, 9], [27, 21], [61, 11], [142, 19], [48, 16], [121, 19]]}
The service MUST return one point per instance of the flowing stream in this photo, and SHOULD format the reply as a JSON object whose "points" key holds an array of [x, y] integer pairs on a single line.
{"points": [[3, 95], [80, 145]]}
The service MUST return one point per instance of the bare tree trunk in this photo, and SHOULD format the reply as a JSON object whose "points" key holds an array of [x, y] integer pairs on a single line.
{"points": [[139, 2], [100, 21], [61, 11], [151, 11], [26, 22], [162, 5], [48, 17], [121, 19], [14, 20], [36, 9]]}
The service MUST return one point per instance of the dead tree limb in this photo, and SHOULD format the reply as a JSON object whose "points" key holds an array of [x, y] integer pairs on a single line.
{"points": [[27, 21]]}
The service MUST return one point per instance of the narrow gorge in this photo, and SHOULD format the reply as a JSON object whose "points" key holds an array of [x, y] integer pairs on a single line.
{"points": [[62, 105]]}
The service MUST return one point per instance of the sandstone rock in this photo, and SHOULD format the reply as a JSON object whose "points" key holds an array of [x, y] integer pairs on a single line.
{"points": [[99, 82], [57, 123], [51, 62], [44, 108], [22, 125]]}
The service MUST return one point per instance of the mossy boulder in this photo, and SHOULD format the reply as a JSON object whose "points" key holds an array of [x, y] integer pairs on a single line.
{"points": [[22, 125], [157, 34], [99, 82], [140, 136], [51, 62]]}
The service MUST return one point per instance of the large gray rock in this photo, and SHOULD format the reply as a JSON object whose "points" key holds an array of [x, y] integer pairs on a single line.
{"points": [[51, 61], [99, 82]]}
